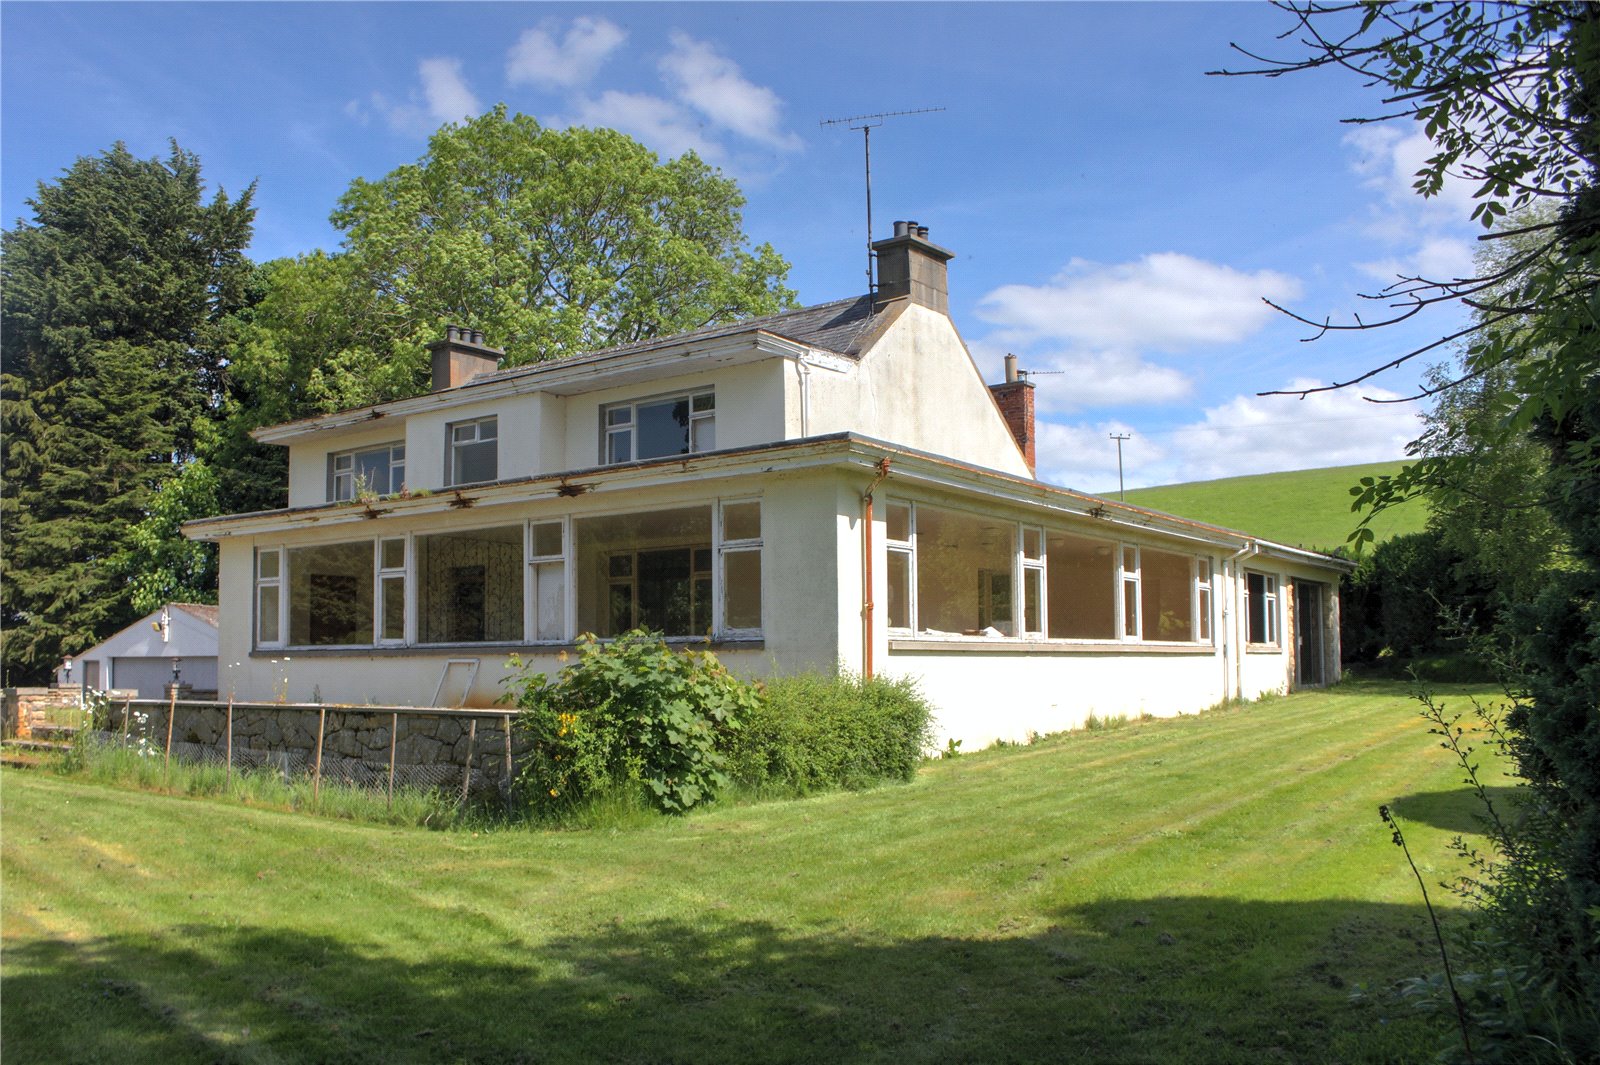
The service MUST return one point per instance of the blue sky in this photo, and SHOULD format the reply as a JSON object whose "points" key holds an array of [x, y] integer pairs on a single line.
{"points": [[1116, 215]]}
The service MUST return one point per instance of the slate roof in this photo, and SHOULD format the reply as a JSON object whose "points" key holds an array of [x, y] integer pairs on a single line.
{"points": [[837, 326], [204, 611]]}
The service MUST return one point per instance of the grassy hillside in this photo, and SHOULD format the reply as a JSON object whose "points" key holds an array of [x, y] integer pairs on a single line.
{"points": [[1204, 889], [1305, 508]]}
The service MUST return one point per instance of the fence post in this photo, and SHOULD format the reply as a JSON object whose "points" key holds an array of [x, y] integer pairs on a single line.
{"points": [[508, 763], [466, 772], [394, 729], [229, 741], [316, 774], [172, 712]]}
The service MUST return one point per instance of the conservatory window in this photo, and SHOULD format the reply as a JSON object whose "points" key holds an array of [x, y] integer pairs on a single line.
{"points": [[1166, 601], [469, 586], [964, 565], [269, 598], [1130, 592], [392, 590], [1261, 607], [741, 567], [1202, 591], [1081, 588], [547, 580], [648, 570], [331, 596], [901, 557]]}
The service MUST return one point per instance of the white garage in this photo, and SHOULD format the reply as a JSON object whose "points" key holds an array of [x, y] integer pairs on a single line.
{"points": [[142, 656]]}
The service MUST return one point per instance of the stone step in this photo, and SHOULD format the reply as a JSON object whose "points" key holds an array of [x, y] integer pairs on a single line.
{"points": [[21, 761], [50, 731], [42, 746]]}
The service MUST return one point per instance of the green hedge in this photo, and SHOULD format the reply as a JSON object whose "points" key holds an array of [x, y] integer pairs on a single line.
{"points": [[814, 732]]}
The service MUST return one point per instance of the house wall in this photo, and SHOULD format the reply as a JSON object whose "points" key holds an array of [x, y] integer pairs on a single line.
{"points": [[749, 408], [917, 386]]}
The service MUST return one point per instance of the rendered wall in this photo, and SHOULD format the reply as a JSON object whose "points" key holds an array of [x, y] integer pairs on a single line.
{"points": [[918, 387]]}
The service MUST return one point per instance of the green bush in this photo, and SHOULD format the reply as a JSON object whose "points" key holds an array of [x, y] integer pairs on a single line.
{"points": [[629, 714], [816, 733]]}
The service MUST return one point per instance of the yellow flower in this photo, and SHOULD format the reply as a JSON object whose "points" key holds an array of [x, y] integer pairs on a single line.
{"points": [[554, 793]]}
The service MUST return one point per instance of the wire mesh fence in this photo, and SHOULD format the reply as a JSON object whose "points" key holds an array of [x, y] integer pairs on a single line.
{"points": [[377, 748]]}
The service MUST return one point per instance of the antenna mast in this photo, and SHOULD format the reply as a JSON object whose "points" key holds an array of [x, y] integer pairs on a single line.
{"points": [[867, 122]]}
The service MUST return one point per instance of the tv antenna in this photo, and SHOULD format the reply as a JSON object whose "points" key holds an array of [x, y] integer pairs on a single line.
{"points": [[867, 122]]}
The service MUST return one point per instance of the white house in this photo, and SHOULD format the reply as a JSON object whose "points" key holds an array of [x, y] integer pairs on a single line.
{"points": [[832, 486], [142, 657]]}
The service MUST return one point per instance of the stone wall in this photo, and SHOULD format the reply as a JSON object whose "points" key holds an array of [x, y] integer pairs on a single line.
{"points": [[430, 747]]}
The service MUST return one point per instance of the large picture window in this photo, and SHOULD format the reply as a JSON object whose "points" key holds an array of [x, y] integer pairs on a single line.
{"points": [[331, 595], [469, 586], [656, 428], [379, 470], [1167, 601], [964, 572], [650, 570], [474, 451], [1081, 587]]}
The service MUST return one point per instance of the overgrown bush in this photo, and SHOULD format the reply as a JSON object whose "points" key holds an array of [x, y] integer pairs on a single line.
{"points": [[629, 714], [815, 732]]}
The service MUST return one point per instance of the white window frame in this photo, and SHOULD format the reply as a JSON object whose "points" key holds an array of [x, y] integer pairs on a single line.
{"points": [[721, 548], [1272, 618], [342, 469], [530, 582], [1031, 571], [280, 582], [1127, 578], [381, 574], [1204, 596], [908, 548], [697, 420], [451, 444]]}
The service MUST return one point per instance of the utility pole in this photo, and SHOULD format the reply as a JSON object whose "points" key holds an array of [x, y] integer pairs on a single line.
{"points": [[1119, 438]]}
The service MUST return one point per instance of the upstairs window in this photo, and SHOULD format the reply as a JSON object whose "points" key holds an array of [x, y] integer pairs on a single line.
{"points": [[656, 428], [474, 451], [378, 470]]}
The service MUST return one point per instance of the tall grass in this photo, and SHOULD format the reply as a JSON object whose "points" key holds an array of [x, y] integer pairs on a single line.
{"points": [[268, 787]]}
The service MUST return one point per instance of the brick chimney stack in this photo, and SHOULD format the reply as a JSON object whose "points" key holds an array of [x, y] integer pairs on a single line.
{"points": [[909, 264], [1015, 400], [459, 356]]}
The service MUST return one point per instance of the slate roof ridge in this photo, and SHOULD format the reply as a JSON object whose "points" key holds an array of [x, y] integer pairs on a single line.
{"points": [[842, 323]]}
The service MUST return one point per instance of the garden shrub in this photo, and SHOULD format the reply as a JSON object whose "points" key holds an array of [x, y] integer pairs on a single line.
{"points": [[632, 713], [815, 732]]}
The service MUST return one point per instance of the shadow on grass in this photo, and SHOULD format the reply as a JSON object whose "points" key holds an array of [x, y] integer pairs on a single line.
{"points": [[1456, 810], [1173, 979]]}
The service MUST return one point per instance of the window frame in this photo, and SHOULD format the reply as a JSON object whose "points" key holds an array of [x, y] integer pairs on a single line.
{"points": [[453, 446], [907, 549], [1204, 596], [383, 574], [1271, 614], [348, 477], [278, 582], [721, 547], [1130, 588], [610, 430], [532, 561]]}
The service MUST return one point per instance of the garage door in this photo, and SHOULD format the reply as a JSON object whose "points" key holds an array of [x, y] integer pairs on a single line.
{"points": [[148, 675]]}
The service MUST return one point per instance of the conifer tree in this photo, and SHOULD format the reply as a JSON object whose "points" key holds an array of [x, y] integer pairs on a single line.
{"points": [[112, 317]]}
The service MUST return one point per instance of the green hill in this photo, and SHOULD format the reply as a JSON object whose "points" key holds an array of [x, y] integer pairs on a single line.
{"points": [[1306, 508]]}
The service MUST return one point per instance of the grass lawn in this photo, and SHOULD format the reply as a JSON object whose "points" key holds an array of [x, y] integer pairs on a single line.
{"points": [[1304, 508], [1203, 889]]}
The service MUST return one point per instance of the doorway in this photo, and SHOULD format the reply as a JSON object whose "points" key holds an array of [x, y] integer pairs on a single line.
{"points": [[1310, 643]]}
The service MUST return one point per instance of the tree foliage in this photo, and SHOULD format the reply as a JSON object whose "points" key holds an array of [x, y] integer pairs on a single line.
{"points": [[163, 565], [114, 321], [1507, 92], [552, 242]]}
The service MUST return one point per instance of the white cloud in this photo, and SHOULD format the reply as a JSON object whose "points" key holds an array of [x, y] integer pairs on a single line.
{"points": [[1069, 380], [1247, 434], [713, 85], [661, 124], [539, 59], [449, 99], [1260, 434], [444, 97], [1427, 237], [1165, 301]]}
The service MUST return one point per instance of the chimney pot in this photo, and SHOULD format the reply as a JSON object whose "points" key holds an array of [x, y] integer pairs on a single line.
{"points": [[461, 355], [910, 265], [1011, 368]]}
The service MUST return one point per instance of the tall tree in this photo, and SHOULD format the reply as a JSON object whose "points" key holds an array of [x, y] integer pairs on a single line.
{"points": [[551, 242], [113, 318]]}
